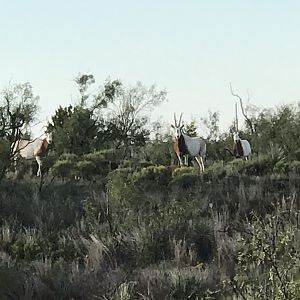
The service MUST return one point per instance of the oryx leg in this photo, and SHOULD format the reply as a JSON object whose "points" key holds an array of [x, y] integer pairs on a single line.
{"points": [[199, 164], [15, 164], [39, 162], [179, 158], [186, 160], [202, 163]]}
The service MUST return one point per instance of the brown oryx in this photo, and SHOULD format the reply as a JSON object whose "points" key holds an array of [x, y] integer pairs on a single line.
{"points": [[185, 145], [32, 149], [241, 148]]}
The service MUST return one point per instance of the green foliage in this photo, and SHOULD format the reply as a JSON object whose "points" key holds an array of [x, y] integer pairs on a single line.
{"points": [[85, 169], [260, 166], [191, 129], [128, 118], [159, 152], [87, 166], [268, 257], [101, 162], [118, 186], [185, 178], [288, 167], [148, 230], [278, 127], [84, 82], [211, 124], [123, 292], [18, 109], [183, 170], [74, 130], [191, 283], [257, 166], [159, 175], [4, 153], [101, 98], [63, 168]]}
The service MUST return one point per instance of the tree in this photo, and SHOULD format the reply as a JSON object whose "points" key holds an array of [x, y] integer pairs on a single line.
{"points": [[18, 108], [268, 256], [279, 128], [84, 81], [128, 118], [248, 119], [82, 128], [211, 124], [74, 130], [191, 129], [100, 97]]}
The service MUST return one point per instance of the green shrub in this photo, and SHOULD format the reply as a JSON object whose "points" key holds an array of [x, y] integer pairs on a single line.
{"points": [[85, 169], [287, 167], [268, 256], [114, 155], [259, 166], [193, 283], [153, 175], [119, 187], [294, 166], [103, 161], [177, 172], [4, 154], [69, 157], [216, 170], [159, 153], [184, 182], [63, 168]]}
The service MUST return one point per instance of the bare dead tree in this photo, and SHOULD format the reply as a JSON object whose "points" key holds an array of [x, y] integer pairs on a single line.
{"points": [[236, 119], [244, 112]]}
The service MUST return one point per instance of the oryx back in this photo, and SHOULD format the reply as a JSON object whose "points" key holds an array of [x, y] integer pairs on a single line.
{"points": [[195, 145], [246, 148], [28, 149]]}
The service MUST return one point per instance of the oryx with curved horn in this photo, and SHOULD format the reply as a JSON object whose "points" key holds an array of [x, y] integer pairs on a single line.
{"points": [[241, 148], [184, 145]]}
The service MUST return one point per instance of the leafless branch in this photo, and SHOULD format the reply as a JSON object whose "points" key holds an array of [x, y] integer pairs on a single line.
{"points": [[248, 120]]}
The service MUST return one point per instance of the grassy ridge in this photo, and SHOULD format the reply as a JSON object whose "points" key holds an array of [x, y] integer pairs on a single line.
{"points": [[148, 233]]}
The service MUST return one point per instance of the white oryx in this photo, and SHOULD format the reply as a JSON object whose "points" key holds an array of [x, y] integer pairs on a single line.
{"points": [[185, 145], [241, 148], [32, 149]]}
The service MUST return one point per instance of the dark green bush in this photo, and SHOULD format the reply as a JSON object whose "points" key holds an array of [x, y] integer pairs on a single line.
{"points": [[85, 169], [152, 175], [63, 169]]}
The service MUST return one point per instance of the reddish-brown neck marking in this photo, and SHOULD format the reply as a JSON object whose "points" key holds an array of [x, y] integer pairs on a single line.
{"points": [[182, 146], [44, 147], [238, 149]]}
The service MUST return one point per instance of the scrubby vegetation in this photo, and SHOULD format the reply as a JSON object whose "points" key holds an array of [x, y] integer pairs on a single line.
{"points": [[120, 220]]}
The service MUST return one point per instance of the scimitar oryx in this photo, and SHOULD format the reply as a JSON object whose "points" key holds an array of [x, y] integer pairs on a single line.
{"points": [[241, 148], [30, 149], [185, 145]]}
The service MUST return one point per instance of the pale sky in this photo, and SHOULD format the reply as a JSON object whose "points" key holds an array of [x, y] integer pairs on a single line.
{"points": [[193, 49]]}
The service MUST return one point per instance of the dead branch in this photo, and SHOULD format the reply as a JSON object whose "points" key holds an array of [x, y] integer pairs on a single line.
{"points": [[248, 120]]}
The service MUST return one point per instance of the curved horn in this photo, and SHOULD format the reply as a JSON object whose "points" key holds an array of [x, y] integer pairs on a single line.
{"points": [[180, 120]]}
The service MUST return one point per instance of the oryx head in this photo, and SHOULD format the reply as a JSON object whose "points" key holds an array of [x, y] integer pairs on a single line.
{"points": [[236, 136], [177, 127], [48, 136]]}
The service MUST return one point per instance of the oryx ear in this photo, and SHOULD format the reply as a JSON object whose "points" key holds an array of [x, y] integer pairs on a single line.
{"points": [[181, 126], [172, 126]]}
